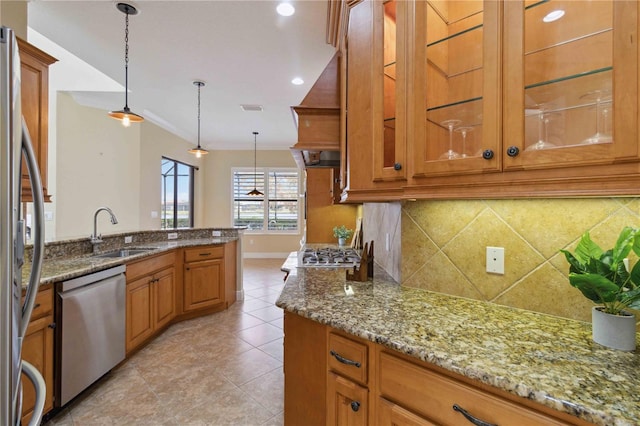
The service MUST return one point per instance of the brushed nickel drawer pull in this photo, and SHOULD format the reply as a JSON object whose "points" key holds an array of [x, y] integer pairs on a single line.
{"points": [[469, 417], [343, 359]]}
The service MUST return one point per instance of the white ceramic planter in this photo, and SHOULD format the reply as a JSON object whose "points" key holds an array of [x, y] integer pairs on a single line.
{"points": [[614, 331], [342, 241]]}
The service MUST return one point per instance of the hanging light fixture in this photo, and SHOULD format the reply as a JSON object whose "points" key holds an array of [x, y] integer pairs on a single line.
{"points": [[126, 115], [255, 191], [199, 152]]}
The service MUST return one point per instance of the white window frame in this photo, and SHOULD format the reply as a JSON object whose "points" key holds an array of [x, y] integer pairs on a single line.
{"points": [[266, 171]]}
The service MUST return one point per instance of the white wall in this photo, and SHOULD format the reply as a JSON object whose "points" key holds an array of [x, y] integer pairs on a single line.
{"points": [[101, 163], [218, 165]]}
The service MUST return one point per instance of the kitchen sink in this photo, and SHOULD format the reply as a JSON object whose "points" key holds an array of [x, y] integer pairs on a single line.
{"points": [[125, 252]]}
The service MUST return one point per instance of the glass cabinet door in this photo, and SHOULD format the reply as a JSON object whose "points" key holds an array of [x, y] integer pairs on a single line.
{"points": [[456, 87], [570, 68], [390, 18]]}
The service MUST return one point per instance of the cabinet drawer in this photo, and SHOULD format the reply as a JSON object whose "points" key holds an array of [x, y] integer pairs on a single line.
{"points": [[149, 265], [348, 357], [203, 253], [433, 395], [43, 305]]}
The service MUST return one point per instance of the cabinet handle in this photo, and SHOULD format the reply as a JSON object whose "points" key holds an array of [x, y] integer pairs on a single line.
{"points": [[355, 405], [52, 325], [205, 254], [343, 359], [487, 154], [513, 151], [469, 417], [397, 166]]}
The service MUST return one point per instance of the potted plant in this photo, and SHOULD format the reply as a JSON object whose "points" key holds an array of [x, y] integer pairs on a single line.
{"points": [[605, 278], [342, 233]]}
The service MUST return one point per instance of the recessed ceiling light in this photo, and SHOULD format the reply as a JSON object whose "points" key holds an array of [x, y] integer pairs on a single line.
{"points": [[297, 81], [553, 16], [285, 9]]}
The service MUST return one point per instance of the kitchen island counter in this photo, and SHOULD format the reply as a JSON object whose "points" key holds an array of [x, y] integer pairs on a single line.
{"points": [[546, 359]]}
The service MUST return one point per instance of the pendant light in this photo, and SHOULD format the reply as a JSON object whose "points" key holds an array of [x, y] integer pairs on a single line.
{"points": [[255, 191], [125, 114], [199, 152]]}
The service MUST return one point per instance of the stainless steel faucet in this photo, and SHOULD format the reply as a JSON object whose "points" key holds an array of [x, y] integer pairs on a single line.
{"points": [[95, 238]]}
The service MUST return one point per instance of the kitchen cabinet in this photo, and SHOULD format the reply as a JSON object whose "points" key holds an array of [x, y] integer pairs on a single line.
{"points": [[34, 86], [305, 371], [37, 349], [204, 277], [366, 380], [347, 392], [490, 99], [374, 139], [151, 298]]}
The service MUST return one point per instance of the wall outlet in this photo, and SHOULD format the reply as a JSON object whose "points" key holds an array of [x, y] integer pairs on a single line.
{"points": [[387, 244], [128, 239], [48, 216], [250, 242], [216, 233], [172, 236], [495, 260], [154, 214]]}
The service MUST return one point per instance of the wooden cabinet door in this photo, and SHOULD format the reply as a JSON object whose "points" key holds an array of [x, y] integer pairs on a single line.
{"points": [[571, 84], [203, 284], [140, 316], [394, 415], [346, 402], [164, 292], [455, 94], [34, 86], [37, 349]]}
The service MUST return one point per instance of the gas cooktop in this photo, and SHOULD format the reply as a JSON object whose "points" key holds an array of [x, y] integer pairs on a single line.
{"points": [[328, 257]]}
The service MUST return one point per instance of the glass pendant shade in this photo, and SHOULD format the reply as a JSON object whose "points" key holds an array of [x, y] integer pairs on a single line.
{"points": [[198, 151], [254, 192], [125, 114]]}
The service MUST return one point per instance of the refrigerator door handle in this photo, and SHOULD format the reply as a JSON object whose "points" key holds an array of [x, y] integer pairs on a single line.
{"points": [[38, 234], [41, 390]]}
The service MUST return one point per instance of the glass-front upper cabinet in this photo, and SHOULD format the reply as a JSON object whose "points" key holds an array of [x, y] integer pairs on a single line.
{"points": [[456, 87], [571, 81], [390, 20]]}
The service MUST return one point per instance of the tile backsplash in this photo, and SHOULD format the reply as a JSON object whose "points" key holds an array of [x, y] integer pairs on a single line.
{"points": [[443, 247]]}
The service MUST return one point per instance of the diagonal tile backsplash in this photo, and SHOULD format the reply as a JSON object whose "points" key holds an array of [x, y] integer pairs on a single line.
{"points": [[443, 246]]}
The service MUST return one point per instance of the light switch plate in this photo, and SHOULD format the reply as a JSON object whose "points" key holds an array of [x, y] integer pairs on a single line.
{"points": [[172, 236], [495, 260], [216, 233], [128, 239]]}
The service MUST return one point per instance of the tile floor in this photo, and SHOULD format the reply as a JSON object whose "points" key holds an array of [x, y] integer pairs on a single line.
{"points": [[221, 369]]}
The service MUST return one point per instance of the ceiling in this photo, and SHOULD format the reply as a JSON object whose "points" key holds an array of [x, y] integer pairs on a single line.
{"points": [[243, 50]]}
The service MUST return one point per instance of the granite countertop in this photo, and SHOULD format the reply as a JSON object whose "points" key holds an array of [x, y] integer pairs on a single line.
{"points": [[61, 269], [546, 359]]}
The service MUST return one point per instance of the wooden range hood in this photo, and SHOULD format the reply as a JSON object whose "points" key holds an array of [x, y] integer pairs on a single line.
{"points": [[318, 121]]}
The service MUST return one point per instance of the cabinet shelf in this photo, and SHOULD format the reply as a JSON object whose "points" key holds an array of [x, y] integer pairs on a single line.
{"points": [[456, 35], [567, 92]]}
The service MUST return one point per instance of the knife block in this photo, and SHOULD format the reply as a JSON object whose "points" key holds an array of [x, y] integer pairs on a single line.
{"points": [[365, 270]]}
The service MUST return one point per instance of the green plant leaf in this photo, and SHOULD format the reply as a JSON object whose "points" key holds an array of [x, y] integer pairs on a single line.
{"points": [[587, 249], [624, 244], [635, 274], [595, 287]]}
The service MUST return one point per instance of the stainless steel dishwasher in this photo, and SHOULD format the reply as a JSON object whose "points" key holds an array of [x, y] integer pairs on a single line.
{"points": [[92, 329]]}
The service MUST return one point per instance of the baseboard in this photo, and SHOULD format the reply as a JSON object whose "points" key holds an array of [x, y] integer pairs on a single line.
{"points": [[267, 255], [239, 294]]}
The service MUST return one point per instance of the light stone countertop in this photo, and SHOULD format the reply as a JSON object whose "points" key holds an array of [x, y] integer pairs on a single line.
{"points": [[65, 268], [546, 359]]}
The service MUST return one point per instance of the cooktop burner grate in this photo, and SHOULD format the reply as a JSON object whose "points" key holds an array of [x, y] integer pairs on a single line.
{"points": [[328, 257]]}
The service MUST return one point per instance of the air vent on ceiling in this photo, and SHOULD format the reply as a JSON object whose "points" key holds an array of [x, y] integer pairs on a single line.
{"points": [[247, 107]]}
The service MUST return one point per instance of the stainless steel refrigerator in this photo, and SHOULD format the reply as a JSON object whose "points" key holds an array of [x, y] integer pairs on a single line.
{"points": [[15, 314]]}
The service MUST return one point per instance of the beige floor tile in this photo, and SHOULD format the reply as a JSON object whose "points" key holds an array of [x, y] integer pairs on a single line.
{"points": [[260, 334], [268, 390], [233, 407], [275, 349]]}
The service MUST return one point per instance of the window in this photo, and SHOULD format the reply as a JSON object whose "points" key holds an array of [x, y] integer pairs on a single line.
{"points": [[277, 210], [177, 194]]}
